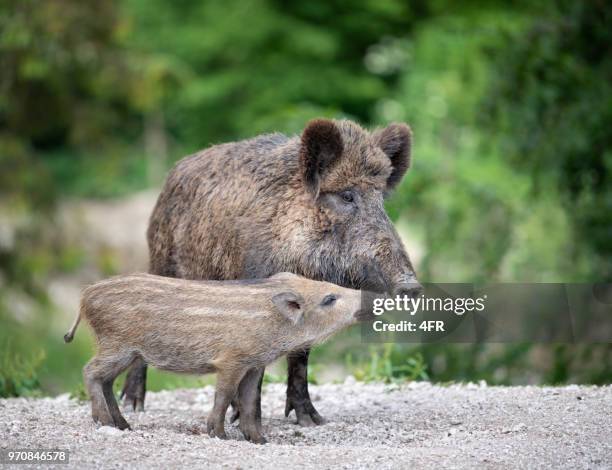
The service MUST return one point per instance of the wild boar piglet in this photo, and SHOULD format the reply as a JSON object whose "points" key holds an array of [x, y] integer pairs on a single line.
{"points": [[198, 327]]}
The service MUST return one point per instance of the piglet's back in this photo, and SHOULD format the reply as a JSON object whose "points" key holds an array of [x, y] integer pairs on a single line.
{"points": [[133, 305]]}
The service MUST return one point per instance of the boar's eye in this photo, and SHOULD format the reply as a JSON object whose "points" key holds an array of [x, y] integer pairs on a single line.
{"points": [[347, 196], [329, 300]]}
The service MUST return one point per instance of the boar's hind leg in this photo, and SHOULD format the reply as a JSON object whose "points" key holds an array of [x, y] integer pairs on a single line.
{"points": [[227, 386], [134, 388], [236, 407], [249, 402], [298, 398], [99, 376]]}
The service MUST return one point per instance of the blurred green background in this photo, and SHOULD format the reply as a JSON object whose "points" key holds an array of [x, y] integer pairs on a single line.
{"points": [[510, 104]]}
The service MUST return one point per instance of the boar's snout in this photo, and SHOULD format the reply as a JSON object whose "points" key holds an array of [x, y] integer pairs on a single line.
{"points": [[407, 286], [410, 291]]}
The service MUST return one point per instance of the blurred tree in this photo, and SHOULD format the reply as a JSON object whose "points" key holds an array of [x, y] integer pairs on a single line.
{"points": [[263, 65], [98, 98], [64, 76], [62, 93], [486, 204], [102, 94], [552, 100]]}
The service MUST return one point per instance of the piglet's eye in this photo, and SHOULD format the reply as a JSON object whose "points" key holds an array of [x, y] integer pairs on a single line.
{"points": [[329, 300]]}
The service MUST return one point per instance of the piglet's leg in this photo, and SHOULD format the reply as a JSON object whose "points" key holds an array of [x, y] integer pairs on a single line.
{"points": [[94, 384], [249, 400], [227, 386], [113, 407], [100, 374]]}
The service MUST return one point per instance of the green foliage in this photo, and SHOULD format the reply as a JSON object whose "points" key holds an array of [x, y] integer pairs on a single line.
{"points": [[159, 380], [510, 104], [293, 61], [552, 100], [79, 393], [274, 378], [587, 363], [19, 374], [67, 88], [472, 210], [389, 366]]}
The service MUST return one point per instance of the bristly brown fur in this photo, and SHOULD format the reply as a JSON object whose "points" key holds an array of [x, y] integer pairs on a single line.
{"points": [[246, 210], [199, 327]]}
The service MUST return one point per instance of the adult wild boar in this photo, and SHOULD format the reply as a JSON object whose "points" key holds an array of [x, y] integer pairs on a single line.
{"points": [[310, 204]]}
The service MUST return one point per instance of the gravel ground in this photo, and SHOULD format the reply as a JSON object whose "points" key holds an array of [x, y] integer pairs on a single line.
{"points": [[369, 426]]}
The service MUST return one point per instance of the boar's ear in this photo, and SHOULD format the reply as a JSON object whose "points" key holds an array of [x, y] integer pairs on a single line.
{"points": [[290, 305], [320, 148], [396, 141]]}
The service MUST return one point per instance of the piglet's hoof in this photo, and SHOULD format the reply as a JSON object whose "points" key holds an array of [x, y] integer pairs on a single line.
{"points": [[122, 424], [102, 418], [305, 411]]}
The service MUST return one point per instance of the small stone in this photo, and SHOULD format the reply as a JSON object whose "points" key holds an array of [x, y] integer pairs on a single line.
{"points": [[350, 380], [109, 431]]}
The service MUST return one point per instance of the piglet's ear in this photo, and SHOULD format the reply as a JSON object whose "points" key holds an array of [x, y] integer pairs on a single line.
{"points": [[320, 148], [396, 141], [290, 305]]}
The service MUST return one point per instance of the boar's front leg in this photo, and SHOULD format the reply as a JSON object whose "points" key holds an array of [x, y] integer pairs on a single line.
{"points": [[227, 386], [298, 398]]}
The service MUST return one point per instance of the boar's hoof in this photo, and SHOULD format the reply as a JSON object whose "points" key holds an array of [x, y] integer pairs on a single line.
{"points": [[133, 403], [254, 436], [305, 412], [258, 440], [133, 396], [306, 421], [216, 430]]}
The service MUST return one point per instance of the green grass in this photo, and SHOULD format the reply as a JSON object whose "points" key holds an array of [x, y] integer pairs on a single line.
{"points": [[19, 373], [388, 366]]}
